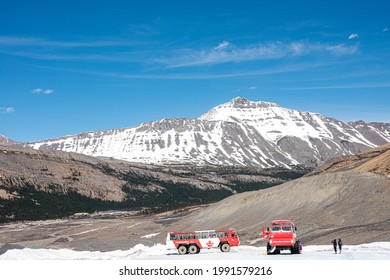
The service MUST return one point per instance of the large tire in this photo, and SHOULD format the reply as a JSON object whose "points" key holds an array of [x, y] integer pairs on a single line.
{"points": [[182, 250], [296, 248], [193, 249], [225, 247], [270, 249]]}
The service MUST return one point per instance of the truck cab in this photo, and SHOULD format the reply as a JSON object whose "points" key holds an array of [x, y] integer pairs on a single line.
{"points": [[281, 235]]}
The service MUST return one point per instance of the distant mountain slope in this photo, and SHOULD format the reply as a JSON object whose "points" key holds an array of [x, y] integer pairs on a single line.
{"points": [[239, 132], [6, 141], [342, 202], [48, 184]]}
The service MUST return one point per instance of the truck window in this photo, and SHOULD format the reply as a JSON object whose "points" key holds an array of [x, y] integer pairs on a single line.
{"points": [[205, 235], [275, 229], [189, 236], [212, 234], [173, 236], [286, 229], [221, 234]]}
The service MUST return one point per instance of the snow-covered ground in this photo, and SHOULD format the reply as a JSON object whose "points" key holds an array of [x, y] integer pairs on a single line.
{"points": [[372, 251]]}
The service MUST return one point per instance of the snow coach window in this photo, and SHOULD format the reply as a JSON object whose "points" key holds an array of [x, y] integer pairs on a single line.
{"points": [[197, 235], [181, 236], [286, 228], [205, 235], [213, 234], [221, 234], [173, 237], [189, 236], [275, 229]]}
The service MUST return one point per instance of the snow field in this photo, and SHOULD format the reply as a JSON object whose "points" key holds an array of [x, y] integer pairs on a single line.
{"points": [[372, 251]]}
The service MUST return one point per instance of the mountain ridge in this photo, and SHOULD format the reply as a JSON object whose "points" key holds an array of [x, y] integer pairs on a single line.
{"points": [[239, 132], [6, 141]]}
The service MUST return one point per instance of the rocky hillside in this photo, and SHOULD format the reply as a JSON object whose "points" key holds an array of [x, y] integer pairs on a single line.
{"points": [[47, 184], [239, 133], [376, 161], [348, 198]]}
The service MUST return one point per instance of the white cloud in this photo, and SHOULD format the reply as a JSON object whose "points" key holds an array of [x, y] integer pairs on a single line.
{"points": [[353, 36], [37, 91], [268, 51], [222, 45], [386, 29], [48, 91], [42, 91], [7, 110]]}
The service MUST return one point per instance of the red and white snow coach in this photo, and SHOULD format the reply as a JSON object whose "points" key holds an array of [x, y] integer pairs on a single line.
{"points": [[281, 235], [193, 242]]}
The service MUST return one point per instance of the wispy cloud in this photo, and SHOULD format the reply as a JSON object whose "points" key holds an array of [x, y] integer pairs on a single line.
{"points": [[224, 52], [247, 88], [268, 51], [48, 91], [386, 29], [345, 86], [136, 57], [222, 45], [263, 71], [15, 41], [42, 91], [353, 36], [7, 110]]}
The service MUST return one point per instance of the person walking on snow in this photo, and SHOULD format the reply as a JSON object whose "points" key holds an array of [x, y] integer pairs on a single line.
{"points": [[340, 245], [334, 242]]}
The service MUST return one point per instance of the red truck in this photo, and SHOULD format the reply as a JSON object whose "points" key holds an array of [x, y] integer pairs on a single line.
{"points": [[281, 235]]}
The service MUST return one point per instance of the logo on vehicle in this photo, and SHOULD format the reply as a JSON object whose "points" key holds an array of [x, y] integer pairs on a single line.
{"points": [[209, 244]]}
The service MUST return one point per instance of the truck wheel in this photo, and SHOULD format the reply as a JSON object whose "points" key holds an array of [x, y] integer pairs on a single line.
{"points": [[182, 250], [269, 249], [296, 247], [225, 247], [193, 249]]}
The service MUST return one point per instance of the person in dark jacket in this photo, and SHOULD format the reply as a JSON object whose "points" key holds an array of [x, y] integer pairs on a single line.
{"points": [[334, 242], [340, 243]]}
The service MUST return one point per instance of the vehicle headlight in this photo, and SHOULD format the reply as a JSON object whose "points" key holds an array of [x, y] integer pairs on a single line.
{"points": [[292, 241]]}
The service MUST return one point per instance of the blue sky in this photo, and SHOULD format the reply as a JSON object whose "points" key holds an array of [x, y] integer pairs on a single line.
{"points": [[73, 66]]}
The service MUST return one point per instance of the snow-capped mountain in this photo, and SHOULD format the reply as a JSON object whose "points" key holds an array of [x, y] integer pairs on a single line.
{"points": [[239, 132]]}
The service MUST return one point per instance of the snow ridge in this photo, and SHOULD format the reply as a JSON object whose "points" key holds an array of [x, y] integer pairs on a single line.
{"points": [[239, 132]]}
